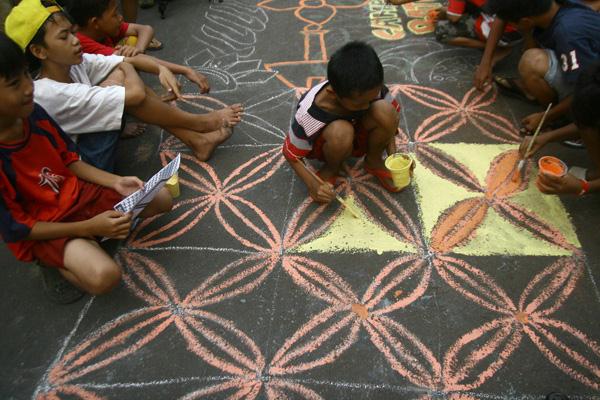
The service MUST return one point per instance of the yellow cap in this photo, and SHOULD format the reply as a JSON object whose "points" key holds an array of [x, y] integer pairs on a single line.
{"points": [[26, 19]]}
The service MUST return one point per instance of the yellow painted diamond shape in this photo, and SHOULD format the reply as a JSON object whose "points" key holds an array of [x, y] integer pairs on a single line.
{"points": [[496, 235]]}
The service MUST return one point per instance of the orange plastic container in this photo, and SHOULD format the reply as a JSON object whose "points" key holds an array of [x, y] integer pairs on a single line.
{"points": [[552, 166]]}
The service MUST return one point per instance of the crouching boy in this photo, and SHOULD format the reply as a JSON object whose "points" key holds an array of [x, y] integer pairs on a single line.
{"points": [[52, 204], [351, 114]]}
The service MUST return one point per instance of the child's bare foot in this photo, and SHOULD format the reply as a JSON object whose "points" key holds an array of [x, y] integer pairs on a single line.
{"points": [[133, 129], [203, 145], [227, 117]]}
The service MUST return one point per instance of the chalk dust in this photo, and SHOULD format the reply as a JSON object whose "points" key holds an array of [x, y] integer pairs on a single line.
{"points": [[348, 234]]}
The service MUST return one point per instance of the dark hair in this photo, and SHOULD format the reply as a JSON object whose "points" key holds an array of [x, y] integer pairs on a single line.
{"points": [[38, 39], [514, 10], [586, 98], [353, 68], [81, 11], [12, 59]]}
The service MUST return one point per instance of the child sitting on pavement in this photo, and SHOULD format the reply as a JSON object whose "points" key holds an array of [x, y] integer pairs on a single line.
{"points": [[52, 204], [586, 98], [69, 86], [352, 113], [465, 23], [561, 38], [101, 29]]}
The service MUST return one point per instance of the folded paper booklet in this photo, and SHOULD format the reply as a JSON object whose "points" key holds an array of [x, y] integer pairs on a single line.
{"points": [[136, 202]]}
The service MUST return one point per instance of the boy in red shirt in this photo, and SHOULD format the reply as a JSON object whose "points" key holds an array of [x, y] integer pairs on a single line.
{"points": [[101, 27], [52, 204]]}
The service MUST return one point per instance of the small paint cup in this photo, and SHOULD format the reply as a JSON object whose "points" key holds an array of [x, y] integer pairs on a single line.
{"points": [[173, 186], [399, 165], [552, 166]]}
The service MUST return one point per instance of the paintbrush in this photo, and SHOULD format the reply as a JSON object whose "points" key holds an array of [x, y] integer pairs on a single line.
{"points": [[337, 196], [521, 164]]}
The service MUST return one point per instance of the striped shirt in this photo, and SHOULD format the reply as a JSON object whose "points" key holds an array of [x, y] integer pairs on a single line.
{"points": [[310, 120]]}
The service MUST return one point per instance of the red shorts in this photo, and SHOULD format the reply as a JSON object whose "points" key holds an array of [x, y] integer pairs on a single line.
{"points": [[359, 146], [93, 200]]}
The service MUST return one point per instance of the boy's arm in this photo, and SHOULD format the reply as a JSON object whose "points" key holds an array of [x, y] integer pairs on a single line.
{"points": [[558, 135], [483, 72], [144, 34], [124, 185], [145, 63], [190, 73], [112, 224], [135, 89], [320, 192], [531, 121]]}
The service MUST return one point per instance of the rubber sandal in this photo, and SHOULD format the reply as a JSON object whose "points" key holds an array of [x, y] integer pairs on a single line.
{"points": [[381, 175], [154, 45], [575, 143], [509, 87]]}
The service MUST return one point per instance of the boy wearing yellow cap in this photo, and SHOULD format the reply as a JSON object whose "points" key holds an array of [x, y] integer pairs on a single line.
{"points": [[68, 86]]}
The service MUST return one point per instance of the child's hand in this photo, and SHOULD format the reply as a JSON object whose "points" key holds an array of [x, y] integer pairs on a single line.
{"points": [[199, 79], [168, 80], [483, 76], [531, 122], [322, 193], [111, 224], [551, 184], [126, 185], [539, 142], [127, 51]]}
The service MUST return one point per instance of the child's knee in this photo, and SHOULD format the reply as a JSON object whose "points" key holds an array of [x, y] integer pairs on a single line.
{"points": [[385, 116], [165, 201], [533, 62], [339, 136], [103, 277]]}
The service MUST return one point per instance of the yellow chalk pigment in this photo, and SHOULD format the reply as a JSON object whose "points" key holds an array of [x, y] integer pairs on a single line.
{"points": [[496, 235], [348, 234], [399, 166]]}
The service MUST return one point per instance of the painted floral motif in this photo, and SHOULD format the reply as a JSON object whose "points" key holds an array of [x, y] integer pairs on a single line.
{"points": [[344, 316]]}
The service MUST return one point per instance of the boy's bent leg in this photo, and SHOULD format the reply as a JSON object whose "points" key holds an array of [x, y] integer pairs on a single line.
{"points": [[154, 111], [161, 203], [381, 123], [338, 139], [89, 267], [534, 66]]}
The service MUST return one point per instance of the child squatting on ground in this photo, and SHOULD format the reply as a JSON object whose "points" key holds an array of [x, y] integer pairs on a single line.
{"points": [[586, 99], [351, 114], [52, 204], [561, 39], [70, 86]]}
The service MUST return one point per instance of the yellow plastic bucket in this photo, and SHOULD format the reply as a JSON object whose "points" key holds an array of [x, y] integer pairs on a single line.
{"points": [[173, 186], [399, 165]]}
